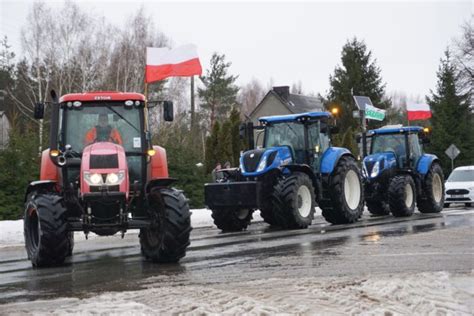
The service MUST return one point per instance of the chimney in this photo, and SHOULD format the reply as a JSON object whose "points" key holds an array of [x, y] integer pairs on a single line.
{"points": [[283, 92]]}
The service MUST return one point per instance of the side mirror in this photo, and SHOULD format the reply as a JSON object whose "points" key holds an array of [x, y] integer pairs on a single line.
{"points": [[168, 111], [38, 112], [334, 130]]}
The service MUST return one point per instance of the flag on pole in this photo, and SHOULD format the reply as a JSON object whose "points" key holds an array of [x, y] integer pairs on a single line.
{"points": [[418, 111], [163, 62]]}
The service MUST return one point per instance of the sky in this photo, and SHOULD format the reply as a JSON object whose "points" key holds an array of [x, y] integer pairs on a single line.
{"points": [[286, 42]]}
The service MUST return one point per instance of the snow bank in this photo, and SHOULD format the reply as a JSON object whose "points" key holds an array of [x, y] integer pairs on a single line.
{"points": [[438, 293], [11, 232]]}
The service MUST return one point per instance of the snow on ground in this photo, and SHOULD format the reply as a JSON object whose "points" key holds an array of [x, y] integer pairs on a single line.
{"points": [[11, 232], [433, 293]]}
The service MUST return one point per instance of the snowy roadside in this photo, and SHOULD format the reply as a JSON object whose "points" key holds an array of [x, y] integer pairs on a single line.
{"points": [[437, 293], [11, 232]]}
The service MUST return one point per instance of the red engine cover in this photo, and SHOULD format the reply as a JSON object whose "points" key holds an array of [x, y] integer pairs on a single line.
{"points": [[104, 158]]}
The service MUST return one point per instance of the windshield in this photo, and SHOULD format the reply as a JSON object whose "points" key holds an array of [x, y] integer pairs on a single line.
{"points": [[103, 122], [461, 176], [389, 142], [286, 134]]}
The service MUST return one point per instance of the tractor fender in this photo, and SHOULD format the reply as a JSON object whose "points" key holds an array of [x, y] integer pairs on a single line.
{"points": [[331, 157], [425, 162], [162, 182], [48, 171], [159, 164], [46, 185]]}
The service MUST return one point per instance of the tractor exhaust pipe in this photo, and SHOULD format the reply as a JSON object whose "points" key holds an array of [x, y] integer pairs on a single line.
{"points": [[61, 160]]}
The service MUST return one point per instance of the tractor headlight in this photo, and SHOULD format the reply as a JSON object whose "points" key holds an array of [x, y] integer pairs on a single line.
{"points": [[115, 178], [262, 164], [93, 178], [375, 170]]}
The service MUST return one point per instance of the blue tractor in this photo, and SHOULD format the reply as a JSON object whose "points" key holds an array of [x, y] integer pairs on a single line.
{"points": [[397, 174], [296, 170]]}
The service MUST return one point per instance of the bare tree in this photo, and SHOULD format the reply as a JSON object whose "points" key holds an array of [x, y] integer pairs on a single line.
{"points": [[465, 57], [250, 95]]}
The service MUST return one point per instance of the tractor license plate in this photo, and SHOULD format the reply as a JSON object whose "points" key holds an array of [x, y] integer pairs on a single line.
{"points": [[457, 195]]}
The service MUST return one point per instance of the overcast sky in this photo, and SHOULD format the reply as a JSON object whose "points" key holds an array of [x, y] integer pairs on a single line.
{"points": [[288, 42]]}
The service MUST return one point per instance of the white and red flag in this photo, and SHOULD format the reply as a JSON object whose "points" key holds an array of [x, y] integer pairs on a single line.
{"points": [[418, 111], [163, 62]]}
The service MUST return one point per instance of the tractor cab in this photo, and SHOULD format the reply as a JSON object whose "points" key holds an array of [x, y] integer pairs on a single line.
{"points": [[289, 139]]}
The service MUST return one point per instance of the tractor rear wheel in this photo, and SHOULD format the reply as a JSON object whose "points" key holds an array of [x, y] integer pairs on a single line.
{"points": [[45, 227], [346, 203], [232, 219], [433, 187], [378, 208], [294, 201], [402, 196], [167, 237]]}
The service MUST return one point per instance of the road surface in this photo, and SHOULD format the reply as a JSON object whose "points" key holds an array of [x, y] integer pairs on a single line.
{"points": [[381, 247]]}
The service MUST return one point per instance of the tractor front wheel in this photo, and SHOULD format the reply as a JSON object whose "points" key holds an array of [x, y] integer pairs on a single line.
{"points": [[346, 194], [232, 219], [294, 201], [167, 237], [433, 187], [47, 240], [402, 196]]}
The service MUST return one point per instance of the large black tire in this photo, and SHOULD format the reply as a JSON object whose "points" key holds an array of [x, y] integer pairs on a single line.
{"points": [[70, 240], [294, 201], [402, 196], [167, 238], [433, 189], [378, 208], [232, 219], [346, 193], [45, 230]]}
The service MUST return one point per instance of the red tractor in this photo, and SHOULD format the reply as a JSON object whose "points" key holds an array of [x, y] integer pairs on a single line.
{"points": [[101, 174]]}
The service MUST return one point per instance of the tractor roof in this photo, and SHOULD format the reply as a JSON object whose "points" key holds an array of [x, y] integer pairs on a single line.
{"points": [[102, 96], [396, 130], [294, 117]]}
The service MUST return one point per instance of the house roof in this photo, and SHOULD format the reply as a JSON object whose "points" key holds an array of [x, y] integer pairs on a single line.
{"points": [[296, 103]]}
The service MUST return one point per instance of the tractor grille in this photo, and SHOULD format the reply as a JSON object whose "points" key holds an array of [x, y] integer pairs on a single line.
{"points": [[251, 159], [110, 188], [457, 191], [104, 161], [369, 165]]}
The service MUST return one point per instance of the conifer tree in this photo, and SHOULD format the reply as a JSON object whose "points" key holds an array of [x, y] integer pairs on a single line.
{"points": [[452, 119]]}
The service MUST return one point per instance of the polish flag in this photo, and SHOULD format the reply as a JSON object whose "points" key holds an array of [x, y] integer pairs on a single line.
{"points": [[163, 62], [418, 111]]}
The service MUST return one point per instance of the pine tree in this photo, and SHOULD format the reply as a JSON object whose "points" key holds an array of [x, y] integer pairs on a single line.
{"points": [[224, 144], [358, 75], [235, 124], [220, 92], [452, 119]]}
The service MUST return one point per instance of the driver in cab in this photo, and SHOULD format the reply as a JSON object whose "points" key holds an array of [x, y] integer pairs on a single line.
{"points": [[103, 132]]}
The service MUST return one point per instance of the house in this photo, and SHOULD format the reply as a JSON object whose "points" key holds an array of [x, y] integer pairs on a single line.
{"points": [[279, 101]]}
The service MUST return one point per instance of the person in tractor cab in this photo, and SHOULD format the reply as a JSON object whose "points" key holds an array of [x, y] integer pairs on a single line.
{"points": [[103, 132]]}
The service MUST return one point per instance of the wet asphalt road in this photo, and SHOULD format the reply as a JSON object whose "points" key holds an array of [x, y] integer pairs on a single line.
{"points": [[374, 245]]}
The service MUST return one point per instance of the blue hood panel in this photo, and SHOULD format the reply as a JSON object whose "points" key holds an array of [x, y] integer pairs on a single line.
{"points": [[386, 160], [282, 156]]}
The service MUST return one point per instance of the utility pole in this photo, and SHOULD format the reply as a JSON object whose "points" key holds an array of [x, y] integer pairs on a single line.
{"points": [[193, 119]]}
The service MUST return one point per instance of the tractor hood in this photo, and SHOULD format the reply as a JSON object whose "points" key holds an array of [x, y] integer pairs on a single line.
{"points": [[376, 163], [104, 168], [259, 161]]}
